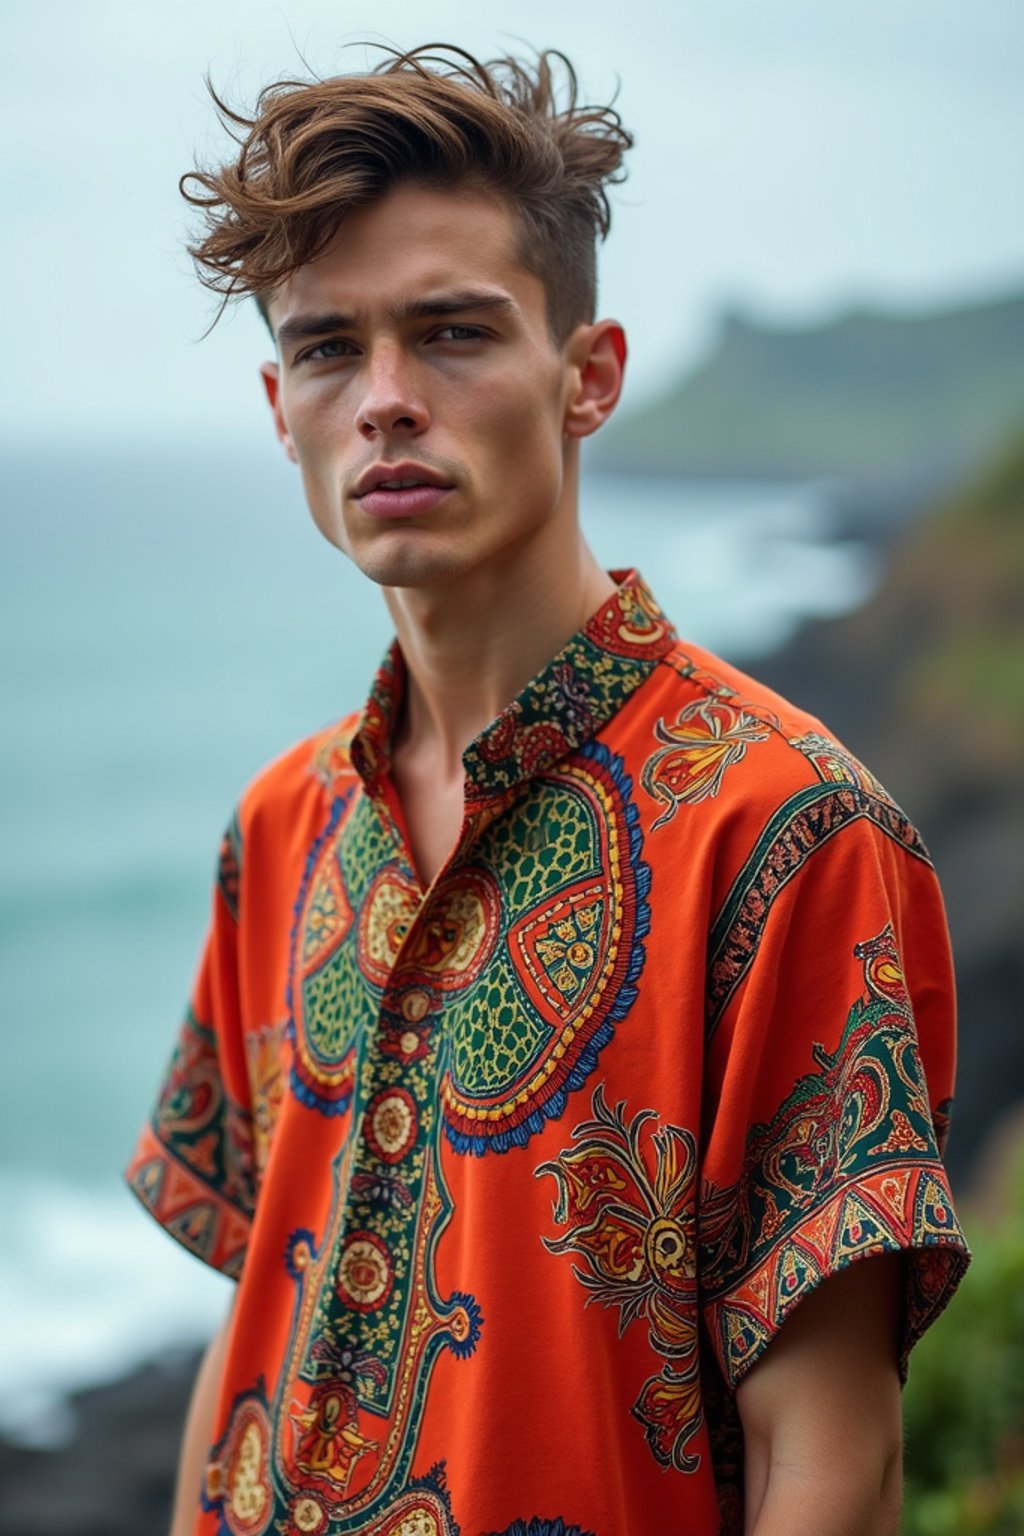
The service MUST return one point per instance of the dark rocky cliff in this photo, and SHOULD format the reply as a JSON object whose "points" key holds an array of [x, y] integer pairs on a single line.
{"points": [[926, 684]]}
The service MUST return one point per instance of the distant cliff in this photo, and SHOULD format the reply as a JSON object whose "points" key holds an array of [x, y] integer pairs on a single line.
{"points": [[926, 683], [879, 397]]}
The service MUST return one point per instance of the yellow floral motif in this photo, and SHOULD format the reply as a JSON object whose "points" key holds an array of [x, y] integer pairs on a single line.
{"points": [[707, 738]]}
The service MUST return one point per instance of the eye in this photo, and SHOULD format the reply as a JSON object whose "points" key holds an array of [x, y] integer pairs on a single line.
{"points": [[459, 333], [327, 351]]}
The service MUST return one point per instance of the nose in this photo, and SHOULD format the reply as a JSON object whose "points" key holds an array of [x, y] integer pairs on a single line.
{"points": [[392, 400]]}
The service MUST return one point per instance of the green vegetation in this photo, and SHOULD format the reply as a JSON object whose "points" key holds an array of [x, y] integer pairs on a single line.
{"points": [[960, 578], [967, 561], [867, 394], [964, 1401]]}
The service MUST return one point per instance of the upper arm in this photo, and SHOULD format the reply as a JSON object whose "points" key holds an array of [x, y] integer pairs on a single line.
{"points": [[821, 1409]]}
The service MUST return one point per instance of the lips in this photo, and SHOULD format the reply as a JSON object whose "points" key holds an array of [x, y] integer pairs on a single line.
{"points": [[396, 477], [400, 490]]}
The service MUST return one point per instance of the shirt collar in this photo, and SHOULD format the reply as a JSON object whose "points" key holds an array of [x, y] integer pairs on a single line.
{"points": [[567, 703]]}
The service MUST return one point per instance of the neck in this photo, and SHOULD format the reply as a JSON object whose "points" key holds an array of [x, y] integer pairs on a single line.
{"points": [[472, 644]]}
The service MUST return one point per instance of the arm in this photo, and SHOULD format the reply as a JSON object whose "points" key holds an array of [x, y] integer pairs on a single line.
{"points": [[821, 1412], [198, 1434]]}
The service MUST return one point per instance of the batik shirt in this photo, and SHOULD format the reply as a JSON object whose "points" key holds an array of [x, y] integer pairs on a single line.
{"points": [[520, 1174]]}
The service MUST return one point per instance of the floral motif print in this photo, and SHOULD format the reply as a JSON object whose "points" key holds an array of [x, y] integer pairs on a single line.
{"points": [[708, 737], [628, 1204]]}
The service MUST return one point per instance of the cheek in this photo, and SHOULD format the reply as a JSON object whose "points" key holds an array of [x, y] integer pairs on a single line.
{"points": [[319, 447], [322, 478], [524, 422], [313, 421]]}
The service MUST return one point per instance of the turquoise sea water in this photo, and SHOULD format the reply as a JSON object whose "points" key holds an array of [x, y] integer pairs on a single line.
{"points": [[167, 624]]}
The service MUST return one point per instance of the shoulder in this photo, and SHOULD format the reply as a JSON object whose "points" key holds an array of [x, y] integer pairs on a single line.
{"points": [[704, 680], [706, 733]]}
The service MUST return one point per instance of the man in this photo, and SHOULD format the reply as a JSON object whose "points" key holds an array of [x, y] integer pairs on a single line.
{"points": [[575, 968]]}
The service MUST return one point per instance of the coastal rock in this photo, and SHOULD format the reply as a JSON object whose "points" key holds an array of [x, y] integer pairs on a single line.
{"points": [[926, 684], [115, 1476]]}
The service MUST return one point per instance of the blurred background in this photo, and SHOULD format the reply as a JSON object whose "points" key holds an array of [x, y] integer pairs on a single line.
{"points": [[818, 464]]}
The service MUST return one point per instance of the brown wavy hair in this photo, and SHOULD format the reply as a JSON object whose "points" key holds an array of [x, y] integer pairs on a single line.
{"points": [[314, 149]]}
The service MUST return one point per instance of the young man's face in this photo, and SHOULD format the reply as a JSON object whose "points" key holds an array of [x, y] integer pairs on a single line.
{"points": [[416, 349]]}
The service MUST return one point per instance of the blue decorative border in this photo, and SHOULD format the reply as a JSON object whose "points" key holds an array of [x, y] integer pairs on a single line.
{"points": [[553, 1107]]}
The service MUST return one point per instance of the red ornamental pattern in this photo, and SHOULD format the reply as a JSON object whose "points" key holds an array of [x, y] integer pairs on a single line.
{"points": [[846, 1168], [379, 1070], [707, 738], [627, 1201]]}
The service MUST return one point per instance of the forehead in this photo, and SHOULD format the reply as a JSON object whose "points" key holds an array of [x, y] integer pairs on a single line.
{"points": [[415, 240]]}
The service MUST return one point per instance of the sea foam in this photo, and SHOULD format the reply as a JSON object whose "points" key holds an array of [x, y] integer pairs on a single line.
{"points": [[89, 1289]]}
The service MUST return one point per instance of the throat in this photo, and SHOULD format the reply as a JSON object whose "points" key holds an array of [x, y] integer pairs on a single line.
{"points": [[432, 807]]}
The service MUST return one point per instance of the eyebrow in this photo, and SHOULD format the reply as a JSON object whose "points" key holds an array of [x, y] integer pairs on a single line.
{"points": [[308, 327]]}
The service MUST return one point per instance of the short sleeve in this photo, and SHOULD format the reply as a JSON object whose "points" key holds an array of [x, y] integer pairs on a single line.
{"points": [[192, 1167], [830, 1072]]}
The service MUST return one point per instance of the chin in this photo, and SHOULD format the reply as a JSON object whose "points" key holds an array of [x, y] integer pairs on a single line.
{"points": [[413, 565]]}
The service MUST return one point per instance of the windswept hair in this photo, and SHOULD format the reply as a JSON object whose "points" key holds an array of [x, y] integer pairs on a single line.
{"points": [[435, 116]]}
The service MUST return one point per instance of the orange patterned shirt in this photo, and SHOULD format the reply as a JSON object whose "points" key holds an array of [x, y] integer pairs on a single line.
{"points": [[520, 1174]]}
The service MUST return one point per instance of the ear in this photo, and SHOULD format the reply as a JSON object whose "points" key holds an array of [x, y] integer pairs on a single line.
{"points": [[597, 362], [271, 376]]}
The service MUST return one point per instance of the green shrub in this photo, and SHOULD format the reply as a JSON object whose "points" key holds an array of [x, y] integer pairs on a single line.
{"points": [[964, 1401]]}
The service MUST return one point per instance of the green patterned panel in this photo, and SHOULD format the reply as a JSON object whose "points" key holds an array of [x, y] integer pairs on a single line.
{"points": [[545, 842], [495, 1033], [364, 849], [548, 842], [334, 1001]]}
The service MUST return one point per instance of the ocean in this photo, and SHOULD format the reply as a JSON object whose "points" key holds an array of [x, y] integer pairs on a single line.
{"points": [[169, 621]]}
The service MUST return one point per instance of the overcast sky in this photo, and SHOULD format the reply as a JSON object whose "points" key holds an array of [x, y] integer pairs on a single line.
{"points": [[793, 157]]}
